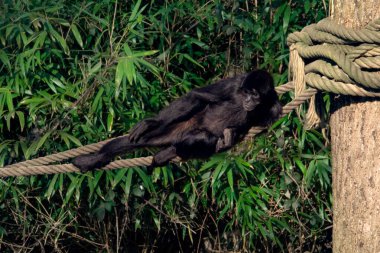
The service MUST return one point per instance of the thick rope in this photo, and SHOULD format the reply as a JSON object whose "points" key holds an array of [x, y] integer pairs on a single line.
{"points": [[297, 74], [39, 166], [322, 83], [91, 148]]}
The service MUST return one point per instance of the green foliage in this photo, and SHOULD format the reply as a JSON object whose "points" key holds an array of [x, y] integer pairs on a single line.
{"points": [[79, 72]]}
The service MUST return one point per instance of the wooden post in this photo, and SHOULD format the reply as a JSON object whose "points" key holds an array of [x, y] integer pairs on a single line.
{"points": [[355, 139]]}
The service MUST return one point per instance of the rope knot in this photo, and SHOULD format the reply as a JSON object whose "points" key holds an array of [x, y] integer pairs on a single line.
{"points": [[330, 57]]}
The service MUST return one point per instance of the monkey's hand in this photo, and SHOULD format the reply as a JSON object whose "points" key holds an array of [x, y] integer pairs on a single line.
{"points": [[227, 141], [141, 128]]}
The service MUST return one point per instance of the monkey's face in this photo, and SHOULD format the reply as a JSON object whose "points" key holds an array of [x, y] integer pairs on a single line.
{"points": [[250, 99], [255, 88]]}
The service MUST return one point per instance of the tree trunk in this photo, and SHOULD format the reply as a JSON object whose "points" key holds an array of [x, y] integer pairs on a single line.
{"points": [[355, 139]]}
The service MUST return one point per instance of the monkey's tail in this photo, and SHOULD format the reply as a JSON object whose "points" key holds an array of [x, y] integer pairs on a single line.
{"points": [[105, 155]]}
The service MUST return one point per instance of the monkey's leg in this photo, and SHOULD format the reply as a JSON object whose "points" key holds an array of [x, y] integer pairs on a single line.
{"points": [[105, 155], [196, 144], [164, 156]]}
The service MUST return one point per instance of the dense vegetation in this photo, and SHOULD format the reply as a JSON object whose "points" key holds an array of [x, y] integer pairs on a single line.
{"points": [[77, 72]]}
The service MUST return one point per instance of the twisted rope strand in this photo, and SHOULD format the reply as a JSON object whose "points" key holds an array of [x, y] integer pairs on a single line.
{"points": [[326, 69], [355, 35], [367, 79]]}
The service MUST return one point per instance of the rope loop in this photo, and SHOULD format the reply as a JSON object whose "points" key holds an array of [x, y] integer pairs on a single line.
{"points": [[336, 59]]}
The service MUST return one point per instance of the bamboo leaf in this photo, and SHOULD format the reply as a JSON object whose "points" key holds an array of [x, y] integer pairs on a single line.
{"points": [[189, 58], [150, 66], [10, 102], [310, 173], [5, 60], [144, 53], [129, 70], [97, 100], [30, 150], [77, 36], [65, 139], [74, 140], [21, 119], [286, 19], [40, 41], [134, 11], [58, 82], [60, 40], [230, 179], [9, 117], [95, 68], [110, 118], [119, 73], [49, 192], [70, 190], [144, 177], [118, 177], [128, 183], [42, 140], [68, 137]]}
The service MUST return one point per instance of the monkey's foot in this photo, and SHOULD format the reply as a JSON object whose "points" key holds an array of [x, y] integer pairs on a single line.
{"points": [[90, 162], [139, 129]]}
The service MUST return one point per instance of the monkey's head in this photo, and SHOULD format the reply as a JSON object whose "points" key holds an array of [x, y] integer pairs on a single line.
{"points": [[257, 92]]}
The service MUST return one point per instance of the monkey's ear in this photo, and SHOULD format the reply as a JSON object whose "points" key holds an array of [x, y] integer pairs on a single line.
{"points": [[257, 78]]}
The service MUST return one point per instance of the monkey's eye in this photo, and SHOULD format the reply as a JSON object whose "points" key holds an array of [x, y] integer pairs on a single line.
{"points": [[251, 93], [255, 94]]}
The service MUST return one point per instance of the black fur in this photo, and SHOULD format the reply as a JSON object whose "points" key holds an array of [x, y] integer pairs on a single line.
{"points": [[203, 122]]}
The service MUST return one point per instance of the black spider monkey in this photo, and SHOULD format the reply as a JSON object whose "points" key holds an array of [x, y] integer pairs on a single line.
{"points": [[205, 121]]}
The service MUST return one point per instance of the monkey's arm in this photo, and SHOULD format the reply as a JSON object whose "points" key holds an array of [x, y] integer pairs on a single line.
{"points": [[183, 109], [179, 110]]}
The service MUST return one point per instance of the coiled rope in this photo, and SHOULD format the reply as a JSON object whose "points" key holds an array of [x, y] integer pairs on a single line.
{"points": [[338, 60], [333, 58]]}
